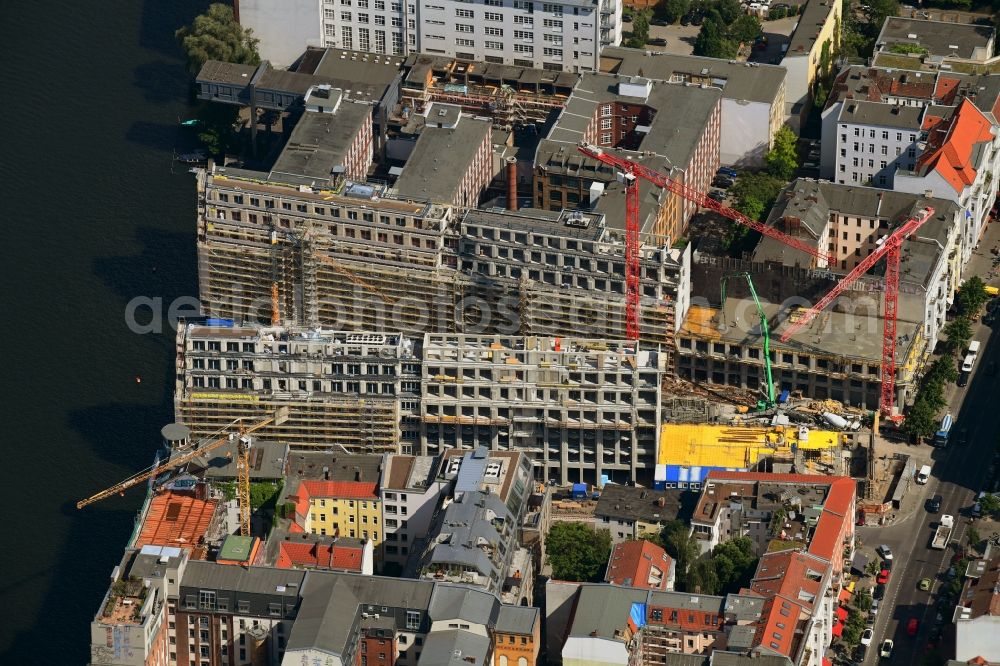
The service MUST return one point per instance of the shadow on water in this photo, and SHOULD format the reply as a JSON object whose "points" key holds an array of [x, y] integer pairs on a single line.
{"points": [[161, 18], [165, 268], [162, 81], [157, 136]]}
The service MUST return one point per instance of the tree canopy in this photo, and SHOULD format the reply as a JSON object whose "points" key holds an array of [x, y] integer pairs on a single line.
{"points": [[959, 332], [576, 552], [713, 40], [971, 297], [640, 30], [672, 10], [215, 35], [783, 158]]}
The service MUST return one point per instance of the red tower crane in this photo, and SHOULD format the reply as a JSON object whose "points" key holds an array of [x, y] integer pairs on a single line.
{"points": [[889, 247], [631, 171]]}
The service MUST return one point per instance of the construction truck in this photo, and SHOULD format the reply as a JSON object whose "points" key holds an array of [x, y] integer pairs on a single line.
{"points": [[943, 533]]}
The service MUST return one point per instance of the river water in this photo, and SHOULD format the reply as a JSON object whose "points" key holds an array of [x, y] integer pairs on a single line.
{"points": [[92, 216]]}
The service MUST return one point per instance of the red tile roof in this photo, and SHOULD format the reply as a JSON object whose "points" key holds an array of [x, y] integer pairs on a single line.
{"points": [[364, 490], [952, 156], [632, 562], [319, 556], [815, 479], [777, 631], [841, 496], [826, 539], [176, 519], [791, 575]]}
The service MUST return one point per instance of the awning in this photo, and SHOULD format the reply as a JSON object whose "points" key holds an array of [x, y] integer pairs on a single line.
{"points": [[838, 629], [845, 596], [841, 613], [827, 662]]}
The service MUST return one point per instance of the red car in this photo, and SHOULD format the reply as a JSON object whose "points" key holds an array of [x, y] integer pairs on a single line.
{"points": [[912, 626], [883, 577]]}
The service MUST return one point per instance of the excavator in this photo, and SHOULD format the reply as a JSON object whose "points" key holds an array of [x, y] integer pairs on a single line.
{"points": [[770, 401], [243, 443]]}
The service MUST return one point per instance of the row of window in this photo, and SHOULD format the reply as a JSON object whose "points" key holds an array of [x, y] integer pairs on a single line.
{"points": [[786, 358], [859, 132], [334, 212]]}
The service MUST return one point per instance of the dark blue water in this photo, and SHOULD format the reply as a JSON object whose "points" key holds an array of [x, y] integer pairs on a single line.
{"points": [[91, 217]]}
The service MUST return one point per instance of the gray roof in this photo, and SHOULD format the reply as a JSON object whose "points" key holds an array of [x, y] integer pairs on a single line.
{"points": [[267, 461], [631, 503], [938, 37], [603, 609], [517, 619], [253, 580], [879, 114], [470, 474], [752, 82], [421, 64], [741, 636], [744, 607], [451, 602], [327, 466], [331, 602], [811, 202], [454, 647], [469, 532], [320, 142], [682, 113], [704, 603], [724, 658], [814, 15], [537, 220], [364, 75], [440, 160]]}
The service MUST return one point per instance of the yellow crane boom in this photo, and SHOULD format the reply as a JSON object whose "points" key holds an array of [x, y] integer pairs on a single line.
{"points": [[278, 418]]}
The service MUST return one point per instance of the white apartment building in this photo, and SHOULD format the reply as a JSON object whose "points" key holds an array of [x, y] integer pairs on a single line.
{"points": [[411, 489], [865, 143], [563, 35]]}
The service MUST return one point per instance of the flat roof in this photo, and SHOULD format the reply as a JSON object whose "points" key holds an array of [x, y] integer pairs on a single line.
{"points": [[631, 503], [440, 159], [267, 460], [237, 548], [176, 519], [329, 466], [940, 38], [811, 20], [320, 142], [881, 115], [754, 82]]}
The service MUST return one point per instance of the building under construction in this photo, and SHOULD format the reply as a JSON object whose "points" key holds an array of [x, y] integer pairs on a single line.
{"points": [[345, 391], [350, 256]]}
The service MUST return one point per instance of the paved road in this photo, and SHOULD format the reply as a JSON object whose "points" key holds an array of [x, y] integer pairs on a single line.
{"points": [[958, 474]]}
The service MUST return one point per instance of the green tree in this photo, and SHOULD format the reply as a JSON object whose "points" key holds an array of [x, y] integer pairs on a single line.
{"points": [[734, 563], [863, 601], [703, 578], [776, 13], [681, 545], [873, 568], [745, 29], [713, 42], [959, 332], [640, 30], [853, 628], [672, 10], [754, 193], [990, 505], [971, 297], [783, 159], [215, 35], [921, 419], [880, 10], [943, 370], [576, 552], [819, 99], [972, 536], [729, 11]]}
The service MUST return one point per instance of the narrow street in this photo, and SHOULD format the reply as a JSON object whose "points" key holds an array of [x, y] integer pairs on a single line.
{"points": [[959, 472]]}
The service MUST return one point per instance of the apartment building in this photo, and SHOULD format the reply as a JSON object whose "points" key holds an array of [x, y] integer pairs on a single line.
{"points": [[517, 639], [671, 127], [343, 389], [977, 615], [640, 563], [870, 141], [958, 42], [309, 551], [451, 162], [131, 627], [580, 408], [810, 55], [563, 35], [412, 489], [233, 615], [628, 512], [339, 508], [332, 139], [958, 164], [753, 95]]}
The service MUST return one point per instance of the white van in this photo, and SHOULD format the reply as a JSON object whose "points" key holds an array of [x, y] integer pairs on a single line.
{"points": [[973, 347], [970, 360], [924, 474]]}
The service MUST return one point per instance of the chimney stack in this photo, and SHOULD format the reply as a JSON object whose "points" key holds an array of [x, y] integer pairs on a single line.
{"points": [[512, 183]]}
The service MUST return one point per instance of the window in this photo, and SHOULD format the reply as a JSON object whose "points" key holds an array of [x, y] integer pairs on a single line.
{"points": [[412, 619], [494, 32], [557, 53], [464, 13], [523, 34], [606, 138], [362, 18], [605, 122], [460, 41], [524, 20], [462, 27], [493, 16], [345, 16], [206, 600], [523, 48], [552, 24], [494, 46]]}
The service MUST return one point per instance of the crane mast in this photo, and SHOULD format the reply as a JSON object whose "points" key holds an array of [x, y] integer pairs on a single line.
{"points": [[764, 332], [890, 249], [242, 467], [629, 174]]}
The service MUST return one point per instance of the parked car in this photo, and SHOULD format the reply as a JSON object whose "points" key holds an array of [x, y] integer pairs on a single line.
{"points": [[886, 651], [977, 510], [659, 41], [912, 626], [687, 19], [723, 182], [879, 592], [867, 636], [883, 577], [660, 22], [728, 172], [924, 584], [884, 552], [934, 504], [717, 195]]}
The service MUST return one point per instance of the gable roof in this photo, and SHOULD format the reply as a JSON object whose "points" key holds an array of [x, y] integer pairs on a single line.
{"points": [[955, 157], [632, 562], [315, 555]]}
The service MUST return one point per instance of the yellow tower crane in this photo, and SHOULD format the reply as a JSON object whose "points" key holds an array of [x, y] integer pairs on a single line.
{"points": [[242, 438]]}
